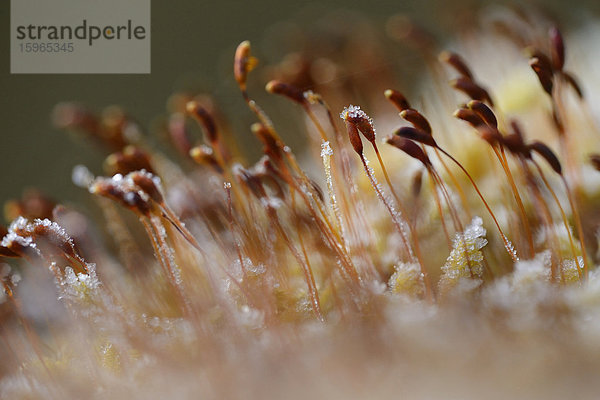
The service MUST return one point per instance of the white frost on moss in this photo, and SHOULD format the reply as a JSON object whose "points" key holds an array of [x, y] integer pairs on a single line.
{"points": [[407, 279], [79, 286], [464, 266]]}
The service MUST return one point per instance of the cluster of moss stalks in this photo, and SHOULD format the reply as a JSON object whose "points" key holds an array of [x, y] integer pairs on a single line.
{"points": [[440, 249]]}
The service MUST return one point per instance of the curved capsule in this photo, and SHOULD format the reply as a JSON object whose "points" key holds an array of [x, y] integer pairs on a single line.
{"points": [[408, 132], [547, 154], [416, 119], [286, 90], [456, 62], [410, 148], [397, 99], [205, 119]]}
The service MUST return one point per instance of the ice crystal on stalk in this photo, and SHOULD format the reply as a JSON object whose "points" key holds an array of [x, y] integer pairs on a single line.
{"points": [[570, 270], [466, 259], [353, 112], [407, 279], [18, 225], [326, 149], [79, 286], [326, 153]]}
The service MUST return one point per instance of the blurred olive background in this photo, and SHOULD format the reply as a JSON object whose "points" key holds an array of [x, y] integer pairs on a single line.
{"points": [[192, 47]]}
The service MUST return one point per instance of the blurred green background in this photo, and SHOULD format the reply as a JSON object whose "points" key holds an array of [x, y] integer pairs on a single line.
{"points": [[192, 46]]}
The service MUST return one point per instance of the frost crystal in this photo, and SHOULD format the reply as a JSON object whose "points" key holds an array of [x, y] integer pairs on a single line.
{"points": [[54, 227], [353, 112], [407, 279], [326, 149], [326, 153], [396, 215], [12, 237], [465, 261], [15, 234], [79, 286], [167, 250]]}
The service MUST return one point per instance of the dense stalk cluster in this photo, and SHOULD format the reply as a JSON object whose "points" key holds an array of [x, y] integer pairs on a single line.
{"points": [[220, 278]]}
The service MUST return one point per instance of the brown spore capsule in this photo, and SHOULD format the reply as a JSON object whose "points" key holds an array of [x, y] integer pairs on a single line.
{"points": [[251, 181], [456, 62], [130, 199], [206, 120], [243, 63], [471, 89], [131, 159], [397, 99], [416, 119], [204, 155], [44, 232], [286, 90], [408, 132], [484, 112], [355, 116], [354, 138], [544, 74], [544, 61], [270, 143], [557, 48], [543, 150], [515, 144], [573, 83], [146, 182], [410, 148], [469, 116]]}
